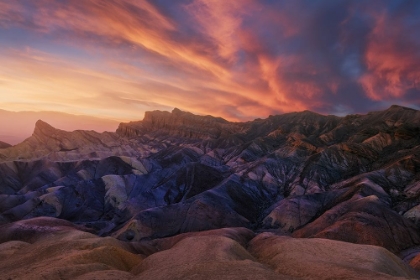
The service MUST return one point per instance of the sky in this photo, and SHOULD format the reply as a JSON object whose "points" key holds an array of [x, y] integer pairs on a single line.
{"points": [[240, 60]]}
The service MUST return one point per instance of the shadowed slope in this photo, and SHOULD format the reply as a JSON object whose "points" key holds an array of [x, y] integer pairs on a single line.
{"points": [[4, 145]]}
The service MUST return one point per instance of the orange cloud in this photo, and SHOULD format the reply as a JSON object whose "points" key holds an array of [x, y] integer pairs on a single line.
{"points": [[116, 21], [236, 59], [37, 81]]}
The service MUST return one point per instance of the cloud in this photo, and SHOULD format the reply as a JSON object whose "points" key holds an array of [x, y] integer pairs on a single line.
{"points": [[237, 59], [10, 14], [392, 56]]}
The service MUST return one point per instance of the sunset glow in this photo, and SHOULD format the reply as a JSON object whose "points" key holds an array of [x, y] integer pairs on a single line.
{"points": [[236, 59]]}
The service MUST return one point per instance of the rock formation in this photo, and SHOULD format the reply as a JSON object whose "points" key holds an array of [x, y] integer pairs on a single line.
{"points": [[179, 123], [4, 145], [304, 175]]}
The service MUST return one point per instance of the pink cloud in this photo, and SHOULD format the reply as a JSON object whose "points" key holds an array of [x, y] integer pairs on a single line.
{"points": [[392, 59]]}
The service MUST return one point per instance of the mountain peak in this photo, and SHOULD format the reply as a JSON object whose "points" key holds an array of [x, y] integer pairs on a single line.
{"points": [[401, 113], [177, 122], [177, 111], [42, 127], [178, 116], [399, 108]]}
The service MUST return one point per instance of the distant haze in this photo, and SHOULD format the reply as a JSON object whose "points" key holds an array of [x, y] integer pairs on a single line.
{"points": [[17, 126]]}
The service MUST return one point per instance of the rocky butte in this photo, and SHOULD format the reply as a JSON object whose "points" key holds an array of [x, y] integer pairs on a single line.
{"points": [[180, 196]]}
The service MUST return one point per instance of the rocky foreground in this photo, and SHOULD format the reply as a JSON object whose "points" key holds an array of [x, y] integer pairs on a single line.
{"points": [[48, 248], [184, 196]]}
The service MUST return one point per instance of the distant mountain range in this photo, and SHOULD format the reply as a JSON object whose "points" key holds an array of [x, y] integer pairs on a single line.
{"points": [[17, 126], [354, 178]]}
